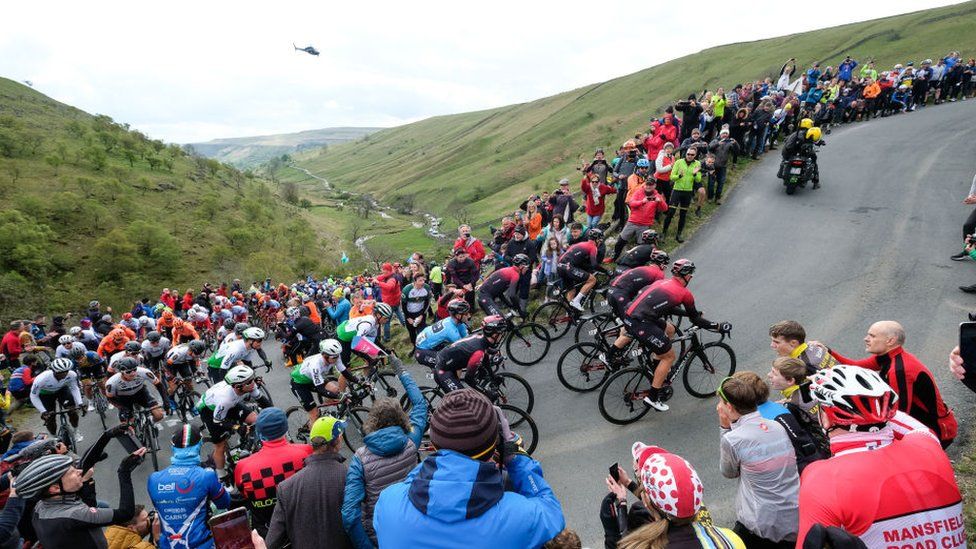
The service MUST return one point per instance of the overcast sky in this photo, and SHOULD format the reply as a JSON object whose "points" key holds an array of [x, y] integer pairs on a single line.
{"points": [[194, 71]]}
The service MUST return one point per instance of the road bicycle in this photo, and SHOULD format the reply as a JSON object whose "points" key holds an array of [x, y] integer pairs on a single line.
{"points": [[98, 400], [65, 432], [144, 428], [558, 315], [526, 343], [701, 365]]}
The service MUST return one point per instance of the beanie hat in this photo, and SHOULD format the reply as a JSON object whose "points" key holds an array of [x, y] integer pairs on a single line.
{"points": [[465, 421], [272, 423], [671, 483], [187, 436]]}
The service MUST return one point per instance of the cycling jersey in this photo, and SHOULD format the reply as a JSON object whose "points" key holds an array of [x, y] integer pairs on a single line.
{"points": [[636, 256], [222, 398], [663, 298], [230, 353], [117, 386], [443, 332], [187, 333], [464, 353], [65, 352], [180, 354], [363, 326], [906, 493], [120, 355], [46, 384], [582, 255], [69, 522], [91, 365], [634, 280], [501, 282], [155, 351], [181, 494], [314, 370]]}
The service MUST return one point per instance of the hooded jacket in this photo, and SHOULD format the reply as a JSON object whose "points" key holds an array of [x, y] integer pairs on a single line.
{"points": [[451, 497], [181, 494]]}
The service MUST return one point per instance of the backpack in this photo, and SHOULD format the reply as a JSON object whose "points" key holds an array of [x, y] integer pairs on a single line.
{"points": [[810, 442]]}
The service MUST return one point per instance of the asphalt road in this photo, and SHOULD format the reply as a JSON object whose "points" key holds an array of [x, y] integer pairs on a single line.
{"points": [[872, 244]]}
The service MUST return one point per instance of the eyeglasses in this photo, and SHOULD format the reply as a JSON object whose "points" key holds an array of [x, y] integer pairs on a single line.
{"points": [[721, 393]]}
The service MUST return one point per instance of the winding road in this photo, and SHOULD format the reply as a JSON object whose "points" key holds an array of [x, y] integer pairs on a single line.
{"points": [[873, 243]]}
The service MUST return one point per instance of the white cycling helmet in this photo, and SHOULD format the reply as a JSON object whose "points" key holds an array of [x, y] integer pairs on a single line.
{"points": [[851, 395], [61, 365], [383, 310], [66, 339], [239, 375], [253, 333], [330, 347], [74, 331]]}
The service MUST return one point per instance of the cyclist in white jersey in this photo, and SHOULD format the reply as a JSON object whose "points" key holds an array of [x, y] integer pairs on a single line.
{"points": [[58, 385], [128, 388]]}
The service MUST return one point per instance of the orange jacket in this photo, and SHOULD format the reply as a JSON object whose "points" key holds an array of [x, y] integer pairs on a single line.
{"points": [[107, 346], [872, 90], [313, 312], [534, 225], [188, 333]]}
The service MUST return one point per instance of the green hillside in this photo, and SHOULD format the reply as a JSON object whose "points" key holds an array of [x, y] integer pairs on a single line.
{"points": [[247, 152], [483, 163], [92, 208]]}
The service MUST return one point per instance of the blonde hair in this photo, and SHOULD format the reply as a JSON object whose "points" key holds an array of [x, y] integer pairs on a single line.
{"points": [[791, 368], [653, 535]]}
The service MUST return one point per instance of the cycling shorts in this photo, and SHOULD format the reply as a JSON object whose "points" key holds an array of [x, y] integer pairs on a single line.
{"points": [[220, 432], [305, 392], [427, 357], [181, 369], [490, 305], [681, 199], [62, 397], [651, 333], [618, 302], [142, 398], [571, 276], [448, 380], [94, 371]]}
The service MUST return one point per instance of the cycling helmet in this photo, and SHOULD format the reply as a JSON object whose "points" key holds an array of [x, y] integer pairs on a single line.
{"points": [[38, 448], [126, 365], [74, 331], [93, 304], [126, 316], [253, 333], [384, 310], [167, 314], [61, 365], [132, 347], [650, 236], [806, 123], [292, 312], [493, 325], [77, 352], [240, 327], [145, 321], [117, 334], [41, 474], [66, 340], [239, 375], [153, 336], [520, 260], [458, 307], [683, 267], [643, 163], [595, 234], [814, 134], [660, 258], [330, 347], [178, 324], [197, 347], [229, 323], [850, 395]]}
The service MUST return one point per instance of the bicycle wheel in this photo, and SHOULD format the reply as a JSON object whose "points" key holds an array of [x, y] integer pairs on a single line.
{"points": [[298, 427], [101, 406], [621, 400], [514, 390], [590, 328], [67, 437], [522, 424], [264, 391], [706, 367], [583, 367], [354, 435], [152, 442], [527, 344], [555, 317], [187, 404]]}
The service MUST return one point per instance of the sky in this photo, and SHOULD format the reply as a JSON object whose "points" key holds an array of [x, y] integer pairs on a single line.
{"points": [[194, 71]]}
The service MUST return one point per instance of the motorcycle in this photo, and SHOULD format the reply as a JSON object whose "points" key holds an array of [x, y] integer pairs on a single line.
{"points": [[798, 169]]}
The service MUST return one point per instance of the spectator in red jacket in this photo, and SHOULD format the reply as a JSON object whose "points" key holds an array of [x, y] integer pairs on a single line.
{"points": [[474, 247], [10, 346], [168, 298], [595, 194], [390, 291], [187, 301], [644, 204]]}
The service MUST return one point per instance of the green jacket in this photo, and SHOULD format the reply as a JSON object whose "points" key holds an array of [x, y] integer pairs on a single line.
{"points": [[681, 174], [718, 106]]}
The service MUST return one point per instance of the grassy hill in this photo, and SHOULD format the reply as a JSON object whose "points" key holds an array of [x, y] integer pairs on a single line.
{"points": [[482, 163], [247, 152], [91, 208]]}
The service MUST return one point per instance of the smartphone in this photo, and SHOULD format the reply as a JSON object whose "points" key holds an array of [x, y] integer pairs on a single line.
{"points": [[231, 530], [615, 472], [967, 346]]}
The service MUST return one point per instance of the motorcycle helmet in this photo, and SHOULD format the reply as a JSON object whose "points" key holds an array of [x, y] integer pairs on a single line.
{"points": [[806, 123], [814, 134]]}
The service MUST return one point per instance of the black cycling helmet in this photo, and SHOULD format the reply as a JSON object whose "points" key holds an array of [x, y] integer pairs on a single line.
{"points": [[240, 327], [650, 236], [126, 364], [520, 260], [660, 258], [683, 267], [595, 234], [493, 325], [77, 352], [229, 323], [458, 307], [197, 347], [132, 347], [153, 337]]}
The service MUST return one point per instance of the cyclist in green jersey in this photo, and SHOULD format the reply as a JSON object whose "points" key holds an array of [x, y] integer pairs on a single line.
{"points": [[314, 374]]}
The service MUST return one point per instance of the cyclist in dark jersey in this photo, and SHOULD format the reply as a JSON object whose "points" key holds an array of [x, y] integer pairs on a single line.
{"points": [[645, 320], [639, 255], [627, 286], [469, 354], [576, 266], [503, 285]]}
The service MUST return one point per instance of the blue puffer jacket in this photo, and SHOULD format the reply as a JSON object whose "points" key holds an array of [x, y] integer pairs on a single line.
{"points": [[450, 499]]}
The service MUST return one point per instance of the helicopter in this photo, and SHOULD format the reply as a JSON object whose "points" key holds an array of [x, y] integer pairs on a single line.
{"points": [[308, 49]]}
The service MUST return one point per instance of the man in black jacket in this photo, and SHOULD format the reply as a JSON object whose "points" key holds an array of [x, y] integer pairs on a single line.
{"points": [[463, 273], [690, 111], [522, 244]]}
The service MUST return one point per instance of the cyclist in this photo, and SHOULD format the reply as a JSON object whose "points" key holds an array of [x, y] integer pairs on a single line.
{"points": [[309, 331], [235, 351], [58, 385], [165, 323], [469, 354], [503, 285], [182, 492], [641, 254], [182, 362], [237, 334], [645, 320], [146, 325], [627, 286], [127, 388], [576, 267], [131, 349], [443, 332], [906, 491], [223, 404], [154, 349], [183, 331], [314, 375], [90, 367], [226, 328], [66, 343], [112, 343], [366, 327]]}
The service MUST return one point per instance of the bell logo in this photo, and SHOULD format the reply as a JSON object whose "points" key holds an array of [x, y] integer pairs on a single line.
{"points": [[165, 487]]}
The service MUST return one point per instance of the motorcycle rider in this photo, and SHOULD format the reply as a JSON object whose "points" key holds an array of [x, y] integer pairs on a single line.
{"points": [[800, 143]]}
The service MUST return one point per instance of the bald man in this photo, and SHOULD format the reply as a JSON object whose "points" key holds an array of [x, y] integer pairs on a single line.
{"points": [[918, 395]]}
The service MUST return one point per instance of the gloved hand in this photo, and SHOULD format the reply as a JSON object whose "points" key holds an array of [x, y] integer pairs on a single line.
{"points": [[131, 461], [397, 364]]}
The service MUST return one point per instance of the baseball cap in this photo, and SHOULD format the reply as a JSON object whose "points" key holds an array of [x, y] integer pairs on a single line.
{"points": [[326, 428]]}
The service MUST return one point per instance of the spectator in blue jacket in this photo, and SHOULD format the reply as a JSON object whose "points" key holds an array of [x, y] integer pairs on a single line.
{"points": [[388, 454], [813, 76], [457, 495], [845, 69], [339, 311]]}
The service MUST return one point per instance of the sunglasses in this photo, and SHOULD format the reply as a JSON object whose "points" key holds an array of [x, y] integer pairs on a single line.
{"points": [[721, 393]]}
